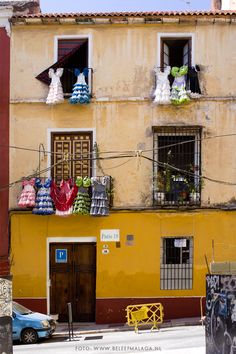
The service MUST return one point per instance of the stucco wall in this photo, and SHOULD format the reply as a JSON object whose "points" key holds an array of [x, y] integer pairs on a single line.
{"points": [[128, 271], [114, 124], [123, 59]]}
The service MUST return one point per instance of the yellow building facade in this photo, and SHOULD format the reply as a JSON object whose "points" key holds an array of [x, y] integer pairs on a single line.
{"points": [[148, 248]]}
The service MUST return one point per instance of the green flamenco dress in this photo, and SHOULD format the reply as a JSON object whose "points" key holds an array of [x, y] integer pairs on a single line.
{"points": [[178, 93], [82, 201]]}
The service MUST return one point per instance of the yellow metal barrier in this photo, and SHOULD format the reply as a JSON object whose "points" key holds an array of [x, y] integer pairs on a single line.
{"points": [[144, 314]]}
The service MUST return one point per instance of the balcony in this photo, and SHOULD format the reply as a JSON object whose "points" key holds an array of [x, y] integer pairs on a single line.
{"points": [[176, 190]]}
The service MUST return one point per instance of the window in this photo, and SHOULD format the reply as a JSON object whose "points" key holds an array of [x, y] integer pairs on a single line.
{"points": [[175, 52], [71, 53], [176, 165], [76, 147], [76, 52], [176, 263]]}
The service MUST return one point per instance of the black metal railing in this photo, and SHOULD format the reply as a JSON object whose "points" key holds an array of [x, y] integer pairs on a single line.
{"points": [[176, 190], [69, 78]]}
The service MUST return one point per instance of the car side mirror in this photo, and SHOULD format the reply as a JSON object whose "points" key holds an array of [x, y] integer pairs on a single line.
{"points": [[13, 315]]}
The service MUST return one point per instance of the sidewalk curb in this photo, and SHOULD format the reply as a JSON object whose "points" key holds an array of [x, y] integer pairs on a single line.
{"points": [[168, 324]]}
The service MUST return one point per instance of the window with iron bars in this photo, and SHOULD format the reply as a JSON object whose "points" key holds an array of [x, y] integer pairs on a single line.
{"points": [[176, 263], [176, 166]]}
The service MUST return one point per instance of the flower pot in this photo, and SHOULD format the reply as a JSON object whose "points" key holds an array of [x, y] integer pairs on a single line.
{"points": [[194, 197]]}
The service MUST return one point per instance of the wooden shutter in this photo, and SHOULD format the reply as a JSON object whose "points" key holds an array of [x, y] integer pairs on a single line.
{"points": [[166, 61], [187, 53], [67, 50], [165, 54], [65, 46], [78, 146]]}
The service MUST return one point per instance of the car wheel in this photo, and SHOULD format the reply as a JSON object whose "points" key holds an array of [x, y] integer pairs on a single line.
{"points": [[29, 336]]}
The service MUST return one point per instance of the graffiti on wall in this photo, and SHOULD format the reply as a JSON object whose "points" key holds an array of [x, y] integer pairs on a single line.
{"points": [[220, 314], [5, 315], [5, 297]]}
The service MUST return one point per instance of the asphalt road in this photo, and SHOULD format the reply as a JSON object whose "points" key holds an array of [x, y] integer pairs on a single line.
{"points": [[175, 340]]}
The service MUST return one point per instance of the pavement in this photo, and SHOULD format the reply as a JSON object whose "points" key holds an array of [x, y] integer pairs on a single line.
{"points": [[93, 328]]}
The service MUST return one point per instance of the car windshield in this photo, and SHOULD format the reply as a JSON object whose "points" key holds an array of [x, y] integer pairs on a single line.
{"points": [[20, 309]]}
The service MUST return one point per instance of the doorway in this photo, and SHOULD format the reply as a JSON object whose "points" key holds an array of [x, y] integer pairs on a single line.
{"points": [[72, 270]]}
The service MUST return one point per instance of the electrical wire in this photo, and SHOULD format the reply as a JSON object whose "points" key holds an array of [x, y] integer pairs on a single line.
{"points": [[122, 154], [120, 151], [191, 174], [33, 175], [110, 168]]}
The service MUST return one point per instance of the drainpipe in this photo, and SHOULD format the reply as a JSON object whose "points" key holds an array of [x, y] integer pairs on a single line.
{"points": [[5, 277]]}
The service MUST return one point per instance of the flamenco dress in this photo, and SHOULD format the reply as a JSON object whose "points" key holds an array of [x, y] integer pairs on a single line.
{"points": [[43, 203], [80, 92], [63, 197], [82, 201], [27, 197], [99, 204], [55, 94], [162, 92]]}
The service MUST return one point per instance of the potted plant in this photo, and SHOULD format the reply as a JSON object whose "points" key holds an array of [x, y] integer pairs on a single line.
{"points": [[194, 191], [160, 183]]}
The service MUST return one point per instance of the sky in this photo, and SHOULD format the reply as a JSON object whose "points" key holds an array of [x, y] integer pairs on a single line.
{"points": [[122, 5]]}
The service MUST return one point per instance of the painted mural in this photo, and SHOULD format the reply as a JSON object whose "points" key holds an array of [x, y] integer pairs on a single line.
{"points": [[220, 314], [5, 315]]}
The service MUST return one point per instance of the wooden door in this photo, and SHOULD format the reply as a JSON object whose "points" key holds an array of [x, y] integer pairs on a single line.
{"points": [[73, 276]]}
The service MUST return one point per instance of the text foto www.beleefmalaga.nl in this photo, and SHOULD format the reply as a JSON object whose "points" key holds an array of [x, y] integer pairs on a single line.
{"points": [[116, 348]]}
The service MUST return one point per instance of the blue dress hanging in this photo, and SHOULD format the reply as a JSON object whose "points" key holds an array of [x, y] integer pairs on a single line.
{"points": [[43, 202], [80, 92]]}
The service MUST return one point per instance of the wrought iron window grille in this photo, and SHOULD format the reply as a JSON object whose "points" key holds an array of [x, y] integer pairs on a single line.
{"points": [[176, 266], [176, 167]]}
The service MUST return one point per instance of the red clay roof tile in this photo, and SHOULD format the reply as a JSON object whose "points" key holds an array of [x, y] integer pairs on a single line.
{"points": [[129, 14]]}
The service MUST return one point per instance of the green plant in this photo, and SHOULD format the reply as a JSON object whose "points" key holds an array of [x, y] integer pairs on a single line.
{"points": [[160, 181]]}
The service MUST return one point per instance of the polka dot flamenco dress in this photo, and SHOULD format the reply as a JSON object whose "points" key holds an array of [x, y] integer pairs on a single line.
{"points": [[82, 201], [43, 203], [27, 197], [80, 92], [99, 205]]}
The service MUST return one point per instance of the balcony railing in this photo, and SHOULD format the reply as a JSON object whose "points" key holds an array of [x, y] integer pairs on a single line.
{"points": [[68, 80], [176, 191]]}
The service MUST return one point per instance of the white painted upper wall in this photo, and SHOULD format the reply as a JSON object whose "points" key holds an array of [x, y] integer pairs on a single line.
{"points": [[228, 5], [223, 5]]}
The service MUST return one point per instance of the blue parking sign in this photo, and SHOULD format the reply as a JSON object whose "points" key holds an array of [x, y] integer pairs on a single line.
{"points": [[61, 255]]}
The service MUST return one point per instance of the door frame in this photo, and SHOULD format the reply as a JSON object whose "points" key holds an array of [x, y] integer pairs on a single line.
{"points": [[81, 239]]}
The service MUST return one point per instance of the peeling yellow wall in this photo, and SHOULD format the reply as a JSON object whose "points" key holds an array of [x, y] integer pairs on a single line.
{"points": [[123, 58], [128, 271]]}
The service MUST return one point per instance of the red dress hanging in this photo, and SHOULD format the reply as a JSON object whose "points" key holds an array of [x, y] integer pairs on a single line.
{"points": [[63, 196]]}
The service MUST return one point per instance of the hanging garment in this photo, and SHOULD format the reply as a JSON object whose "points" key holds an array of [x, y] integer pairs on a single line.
{"points": [[80, 92], [63, 197], [55, 94], [27, 197], [99, 205], [178, 91], [43, 203], [193, 82], [82, 201], [162, 92]]}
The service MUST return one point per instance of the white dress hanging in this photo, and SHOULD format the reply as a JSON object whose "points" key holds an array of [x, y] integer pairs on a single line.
{"points": [[55, 94], [80, 92], [162, 92]]}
